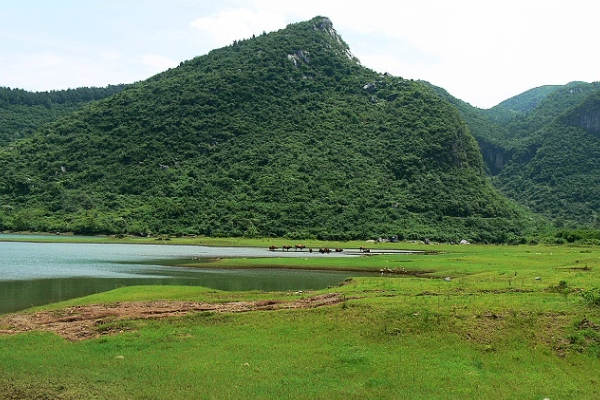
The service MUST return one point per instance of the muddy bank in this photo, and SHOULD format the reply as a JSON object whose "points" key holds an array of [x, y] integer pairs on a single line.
{"points": [[86, 322]]}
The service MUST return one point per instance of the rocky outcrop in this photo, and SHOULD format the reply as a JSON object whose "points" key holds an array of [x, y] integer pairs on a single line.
{"points": [[370, 87], [494, 156], [586, 115], [590, 120], [325, 24], [298, 56]]}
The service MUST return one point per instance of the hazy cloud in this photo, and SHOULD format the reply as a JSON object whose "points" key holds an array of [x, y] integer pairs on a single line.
{"points": [[158, 62], [480, 51], [111, 55], [238, 23]]}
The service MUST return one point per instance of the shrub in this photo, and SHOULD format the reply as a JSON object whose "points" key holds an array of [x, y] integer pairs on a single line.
{"points": [[591, 296]]}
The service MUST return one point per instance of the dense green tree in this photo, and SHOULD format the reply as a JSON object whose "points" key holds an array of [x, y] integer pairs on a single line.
{"points": [[22, 112], [285, 134], [557, 170], [542, 149]]}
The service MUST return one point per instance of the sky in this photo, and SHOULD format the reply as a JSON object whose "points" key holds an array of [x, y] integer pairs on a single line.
{"points": [[482, 52]]}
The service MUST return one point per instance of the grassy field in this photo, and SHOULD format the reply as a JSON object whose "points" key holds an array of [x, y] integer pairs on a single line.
{"points": [[479, 322]]}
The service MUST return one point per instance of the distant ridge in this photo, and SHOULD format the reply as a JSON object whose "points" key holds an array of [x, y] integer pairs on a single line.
{"points": [[556, 169], [542, 149], [22, 112]]}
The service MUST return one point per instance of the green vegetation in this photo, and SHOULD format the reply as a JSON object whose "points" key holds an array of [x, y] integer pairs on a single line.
{"points": [[555, 170], [490, 136], [282, 135], [553, 106], [22, 112], [523, 103], [512, 322], [542, 149], [286, 137]]}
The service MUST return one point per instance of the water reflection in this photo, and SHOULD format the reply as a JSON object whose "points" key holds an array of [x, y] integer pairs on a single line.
{"points": [[18, 295], [40, 273]]}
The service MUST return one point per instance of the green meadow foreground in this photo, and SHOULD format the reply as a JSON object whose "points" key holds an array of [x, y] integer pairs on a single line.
{"points": [[476, 322]]}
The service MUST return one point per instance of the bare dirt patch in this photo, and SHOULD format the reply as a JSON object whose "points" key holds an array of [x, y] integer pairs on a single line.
{"points": [[82, 322]]}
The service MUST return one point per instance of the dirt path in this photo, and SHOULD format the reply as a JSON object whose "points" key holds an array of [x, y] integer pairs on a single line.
{"points": [[82, 322]]}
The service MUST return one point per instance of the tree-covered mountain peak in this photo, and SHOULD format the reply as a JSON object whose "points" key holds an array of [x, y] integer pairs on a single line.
{"points": [[324, 24], [282, 134], [311, 47], [528, 100]]}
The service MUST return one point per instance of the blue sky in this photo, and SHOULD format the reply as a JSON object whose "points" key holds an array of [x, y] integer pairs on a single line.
{"points": [[480, 51]]}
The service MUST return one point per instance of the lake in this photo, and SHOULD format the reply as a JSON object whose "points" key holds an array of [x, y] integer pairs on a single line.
{"points": [[33, 274]]}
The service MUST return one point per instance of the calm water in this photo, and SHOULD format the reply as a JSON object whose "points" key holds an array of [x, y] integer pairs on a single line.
{"points": [[40, 273]]}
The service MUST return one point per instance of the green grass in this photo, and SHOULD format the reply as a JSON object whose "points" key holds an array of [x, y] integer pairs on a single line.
{"points": [[195, 240], [485, 267], [484, 334]]}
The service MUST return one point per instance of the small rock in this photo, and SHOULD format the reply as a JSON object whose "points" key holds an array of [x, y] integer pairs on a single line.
{"points": [[370, 87]]}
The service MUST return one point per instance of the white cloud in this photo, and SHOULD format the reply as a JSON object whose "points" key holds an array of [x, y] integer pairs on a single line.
{"points": [[48, 60], [158, 62], [480, 51], [238, 23], [111, 55], [53, 72]]}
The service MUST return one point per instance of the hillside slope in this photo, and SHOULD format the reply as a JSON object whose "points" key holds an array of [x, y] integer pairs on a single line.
{"points": [[22, 112], [285, 134], [553, 105], [556, 171], [544, 151], [490, 136]]}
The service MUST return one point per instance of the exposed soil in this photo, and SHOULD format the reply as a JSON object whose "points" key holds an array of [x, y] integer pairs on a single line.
{"points": [[586, 268], [85, 322], [587, 324]]}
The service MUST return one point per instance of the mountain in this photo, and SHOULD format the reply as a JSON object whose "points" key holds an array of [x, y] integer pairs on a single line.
{"points": [[284, 134], [519, 104], [556, 169], [523, 103], [554, 104], [541, 148], [527, 101], [22, 112], [490, 136]]}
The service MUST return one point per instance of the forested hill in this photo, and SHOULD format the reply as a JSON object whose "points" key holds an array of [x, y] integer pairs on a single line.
{"points": [[22, 112], [520, 104], [556, 170], [525, 123], [490, 136], [284, 134], [542, 149]]}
